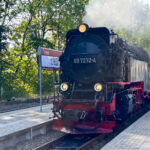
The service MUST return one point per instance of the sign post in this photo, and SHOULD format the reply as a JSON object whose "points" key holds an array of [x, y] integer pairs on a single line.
{"points": [[40, 76], [48, 60], [54, 73]]}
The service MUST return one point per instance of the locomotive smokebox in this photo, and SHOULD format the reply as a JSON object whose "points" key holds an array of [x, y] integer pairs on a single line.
{"points": [[85, 55]]}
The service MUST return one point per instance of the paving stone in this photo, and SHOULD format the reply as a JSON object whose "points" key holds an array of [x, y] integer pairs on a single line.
{"points": [[14, 121], [135, 137]]}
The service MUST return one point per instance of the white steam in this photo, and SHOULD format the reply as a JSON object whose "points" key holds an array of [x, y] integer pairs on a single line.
{"points": [[117, 13]]}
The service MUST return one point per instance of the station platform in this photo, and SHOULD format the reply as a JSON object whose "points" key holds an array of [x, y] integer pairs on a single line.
{"points": [[23, 124], [135, 137]]}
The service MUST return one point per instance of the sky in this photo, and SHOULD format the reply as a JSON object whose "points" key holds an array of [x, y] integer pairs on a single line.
{"points": [[146, 1]]}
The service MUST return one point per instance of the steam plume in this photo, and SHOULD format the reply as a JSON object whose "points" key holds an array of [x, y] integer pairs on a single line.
{"points": [[128, 14]]}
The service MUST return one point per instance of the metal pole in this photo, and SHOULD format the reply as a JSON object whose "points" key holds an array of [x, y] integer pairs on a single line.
{"points": [[53, 83], [40, 76]]}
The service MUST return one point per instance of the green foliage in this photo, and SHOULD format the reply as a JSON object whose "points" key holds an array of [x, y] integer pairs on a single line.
{"points": [[65, 15], [23, 80], [43, 23], [3, 37]]}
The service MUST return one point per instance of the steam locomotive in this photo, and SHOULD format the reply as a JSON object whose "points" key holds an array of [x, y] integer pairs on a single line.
{"points": [[103, 80]]}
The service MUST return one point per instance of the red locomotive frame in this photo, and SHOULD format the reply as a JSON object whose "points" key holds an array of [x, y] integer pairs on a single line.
{"points": [[105, 126]]}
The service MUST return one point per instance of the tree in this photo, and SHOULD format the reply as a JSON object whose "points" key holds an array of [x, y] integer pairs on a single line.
{"points": [[43, 23], [65, 15]]}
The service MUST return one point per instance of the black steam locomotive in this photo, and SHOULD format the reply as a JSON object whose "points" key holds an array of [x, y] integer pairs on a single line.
{"points": [[103, 79]]}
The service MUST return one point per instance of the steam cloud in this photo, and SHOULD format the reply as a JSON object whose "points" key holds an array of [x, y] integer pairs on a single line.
{"points": [[128, 14]]}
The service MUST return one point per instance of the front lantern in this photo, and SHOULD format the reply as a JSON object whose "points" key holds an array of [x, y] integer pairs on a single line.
{"points": [[113, 37], [64, 86], [98, 87], [83, 28]]}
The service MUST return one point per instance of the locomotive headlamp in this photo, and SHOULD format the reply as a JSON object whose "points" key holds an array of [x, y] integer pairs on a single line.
{"points": [[64, 86], [82, 28], [98, 87]]}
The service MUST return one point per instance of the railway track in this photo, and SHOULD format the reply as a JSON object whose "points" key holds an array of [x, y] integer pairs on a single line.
{"points": [[85, 142], [92, 141], [71, 142]]}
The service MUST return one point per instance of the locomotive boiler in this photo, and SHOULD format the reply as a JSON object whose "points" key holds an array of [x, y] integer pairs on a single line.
{"points": [[103, 80]]}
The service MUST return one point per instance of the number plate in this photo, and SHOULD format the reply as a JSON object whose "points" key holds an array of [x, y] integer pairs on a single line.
{"points": [[84, 60]]}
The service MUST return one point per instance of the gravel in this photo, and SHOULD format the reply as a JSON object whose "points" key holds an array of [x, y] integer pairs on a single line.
{"points": [[38, 141]]}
